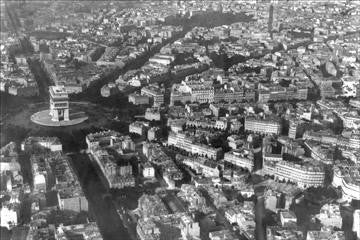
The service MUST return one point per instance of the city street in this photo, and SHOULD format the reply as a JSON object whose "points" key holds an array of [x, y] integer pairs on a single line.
{"points": [[102, 206]]}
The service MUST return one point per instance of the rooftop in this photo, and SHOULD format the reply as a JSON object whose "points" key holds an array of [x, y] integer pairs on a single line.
{"points": [[321, 235], [88, 231], [283, 233], [58, 91]]}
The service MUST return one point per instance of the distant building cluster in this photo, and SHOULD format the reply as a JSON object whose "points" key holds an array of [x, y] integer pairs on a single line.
{"points": [[200, 88], [53, 182], [157, 157], [11, 186], [16, 76], [48, 163]]}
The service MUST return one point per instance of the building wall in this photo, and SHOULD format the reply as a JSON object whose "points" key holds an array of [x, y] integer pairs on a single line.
{"points": [[266, 127], [138, 99], [76, 204], [239, 161], [356, 223], [349, 191], [303, 178], [136, 129], [149, 172]]}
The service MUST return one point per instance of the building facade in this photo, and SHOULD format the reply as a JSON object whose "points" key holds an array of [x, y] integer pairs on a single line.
{"points": [[240, 160], [304, 176], [182, 141], [264, 126], [348, 179]]}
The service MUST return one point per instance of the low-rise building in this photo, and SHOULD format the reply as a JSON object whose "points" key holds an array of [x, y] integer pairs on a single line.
{"points": [[243, 215], [146, 229], [153, 114], [326, 137], [151, 205], [176, 125], [8, 217], [192, 91], [155, 94], [350, 119], [329, 216], [109, 138], [355, 103], [287, 217], [69, 193], [243, 159], [217, 196], [348, 179], [190, 194], [295, 128], [320, 152], [325, 235], [87, 231], [117, 174], [40, 170], [138, 99], [189, 228], [158, 157], [137, 128], [206, 167], [222, 235], [235, 125], [153, 133], [283, 233], [168, 226], [9, 160], [164, 59], [51, 143], [148, 170], [279, 196], [235, 142], [109, 89]]}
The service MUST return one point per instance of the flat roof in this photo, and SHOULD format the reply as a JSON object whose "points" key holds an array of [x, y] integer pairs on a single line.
{"points": [[58, 92]]}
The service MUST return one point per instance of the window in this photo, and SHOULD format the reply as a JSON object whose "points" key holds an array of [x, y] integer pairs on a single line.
{"points": [[60, 105]]}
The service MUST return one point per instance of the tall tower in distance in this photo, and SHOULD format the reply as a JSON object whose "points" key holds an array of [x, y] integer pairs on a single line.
{"points": [[59, 103], [271, 19]]}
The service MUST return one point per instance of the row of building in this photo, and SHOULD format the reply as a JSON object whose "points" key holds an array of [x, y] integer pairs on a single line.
{"points": [[185, 142], [16, 77], [106, 148]]}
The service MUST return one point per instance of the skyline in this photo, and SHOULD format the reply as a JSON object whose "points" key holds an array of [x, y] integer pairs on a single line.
{"points": [[191, 120]]}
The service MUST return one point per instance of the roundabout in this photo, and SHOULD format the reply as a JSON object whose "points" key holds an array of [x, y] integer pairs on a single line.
{"points": [[43, 118], [58, 114]]}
